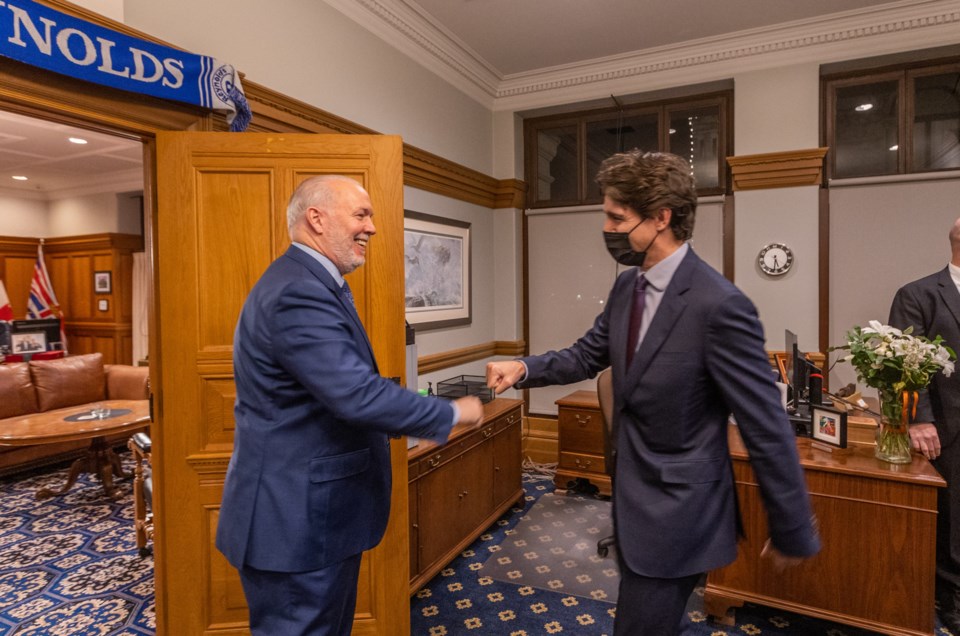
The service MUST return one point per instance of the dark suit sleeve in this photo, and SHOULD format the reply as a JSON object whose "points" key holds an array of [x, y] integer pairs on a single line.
{"points": [[737, 361], [319, 344], [907, 310]]}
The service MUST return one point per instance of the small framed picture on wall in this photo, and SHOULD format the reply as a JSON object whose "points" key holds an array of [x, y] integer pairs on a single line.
{"points": [[102, 283]]}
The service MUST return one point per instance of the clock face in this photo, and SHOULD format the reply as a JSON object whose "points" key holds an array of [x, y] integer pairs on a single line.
{"points": [[775, 259]]}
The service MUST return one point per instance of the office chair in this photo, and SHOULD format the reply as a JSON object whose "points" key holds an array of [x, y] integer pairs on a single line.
{"points": [[141, 446], [605, 397]]}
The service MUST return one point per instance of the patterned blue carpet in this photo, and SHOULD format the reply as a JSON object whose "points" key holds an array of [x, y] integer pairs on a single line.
{"points": [[69, 564], [69, 567], [471, 597]]}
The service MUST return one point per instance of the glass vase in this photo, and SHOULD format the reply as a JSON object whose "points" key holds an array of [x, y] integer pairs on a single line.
{"points": [[893, 430]]}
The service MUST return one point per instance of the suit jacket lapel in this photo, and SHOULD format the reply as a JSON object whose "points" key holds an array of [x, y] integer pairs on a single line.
{"points": [[671, 306], [324, 276], [948, 291]]}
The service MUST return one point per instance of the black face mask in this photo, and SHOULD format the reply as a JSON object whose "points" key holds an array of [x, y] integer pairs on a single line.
{"points": [[618, 244]]}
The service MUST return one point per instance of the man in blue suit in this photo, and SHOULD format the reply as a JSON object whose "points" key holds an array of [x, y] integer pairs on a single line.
{"points": [[308, 486], [686, 350]]}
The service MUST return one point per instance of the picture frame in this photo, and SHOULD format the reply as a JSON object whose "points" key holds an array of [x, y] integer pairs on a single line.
{"points": [[437, 276], [102, 283], [29, 342], [828, 426], [782, 361]]}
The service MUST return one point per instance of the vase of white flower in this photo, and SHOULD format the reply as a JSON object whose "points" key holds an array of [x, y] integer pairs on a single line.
{"points": [[898, 365], [893, 430]]}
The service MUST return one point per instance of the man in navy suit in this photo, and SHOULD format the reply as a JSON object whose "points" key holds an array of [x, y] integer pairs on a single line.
{"points": [[931, 306], [308, 486], [686, 350]]}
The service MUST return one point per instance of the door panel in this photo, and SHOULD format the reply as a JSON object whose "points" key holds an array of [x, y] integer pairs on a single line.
{"points": [[221, 220]]}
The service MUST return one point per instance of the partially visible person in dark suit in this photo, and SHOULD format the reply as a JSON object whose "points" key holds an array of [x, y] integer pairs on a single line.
{"points": [[686, 349], [931, 306], [308, 486]]}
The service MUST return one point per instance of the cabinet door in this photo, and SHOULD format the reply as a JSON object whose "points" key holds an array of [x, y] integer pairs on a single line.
{"points": [[454, 499], [507, 478], [476, 498], [440, 511], [413, 500]]}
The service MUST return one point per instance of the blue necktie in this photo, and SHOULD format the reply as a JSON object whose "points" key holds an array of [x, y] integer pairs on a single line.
{"points": [[636, 316], [348, 293]]}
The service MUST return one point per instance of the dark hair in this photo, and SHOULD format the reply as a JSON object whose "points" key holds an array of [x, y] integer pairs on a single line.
{"points": [[647, 182]]}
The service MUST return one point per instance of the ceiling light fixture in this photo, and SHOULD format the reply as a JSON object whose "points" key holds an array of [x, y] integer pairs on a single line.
{"points": [[77, 140], [862, 108]]}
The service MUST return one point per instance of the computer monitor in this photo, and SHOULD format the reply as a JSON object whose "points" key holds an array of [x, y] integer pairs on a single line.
{"points": [[32, 336], [800, 368]]}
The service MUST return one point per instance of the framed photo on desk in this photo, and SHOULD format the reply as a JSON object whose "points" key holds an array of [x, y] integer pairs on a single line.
{"points": [[829, 426]]}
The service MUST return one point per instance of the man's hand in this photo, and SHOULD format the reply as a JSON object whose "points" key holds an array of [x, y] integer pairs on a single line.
{"points": [[471, 410], [503, 375], [924, 438], [780, 560]]}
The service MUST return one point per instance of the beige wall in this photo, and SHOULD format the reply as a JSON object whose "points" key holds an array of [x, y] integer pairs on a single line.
{"points": [[883, 236], [325, 59]]}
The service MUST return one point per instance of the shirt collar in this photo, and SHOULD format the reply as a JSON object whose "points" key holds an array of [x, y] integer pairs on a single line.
{"points": [[954, 274], [323, 260], [660, 275]]}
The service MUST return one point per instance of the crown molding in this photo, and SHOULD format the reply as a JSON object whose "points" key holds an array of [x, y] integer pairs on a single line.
{"points": [[892, 27], [406, 27], [895, 27], [777, 169]]}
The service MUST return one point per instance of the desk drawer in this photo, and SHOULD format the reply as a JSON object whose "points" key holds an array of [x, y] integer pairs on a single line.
{"points": [[581, 430], [583, 462]]}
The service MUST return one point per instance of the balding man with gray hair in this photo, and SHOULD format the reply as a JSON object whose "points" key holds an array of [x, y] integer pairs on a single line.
{"points": [[308, 486]]}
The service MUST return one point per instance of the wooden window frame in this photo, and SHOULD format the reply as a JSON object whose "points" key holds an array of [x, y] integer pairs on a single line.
{"points": [[905, 75], [586, 194]]}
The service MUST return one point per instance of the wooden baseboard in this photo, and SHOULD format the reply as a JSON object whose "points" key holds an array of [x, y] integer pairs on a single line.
{"points": [[540, 441]]}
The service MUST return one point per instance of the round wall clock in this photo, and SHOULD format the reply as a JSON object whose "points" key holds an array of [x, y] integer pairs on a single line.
{"points": [[775, 259]]}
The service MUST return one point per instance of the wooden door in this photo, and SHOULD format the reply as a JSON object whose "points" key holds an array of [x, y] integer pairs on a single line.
{"points": [[221, 220]]}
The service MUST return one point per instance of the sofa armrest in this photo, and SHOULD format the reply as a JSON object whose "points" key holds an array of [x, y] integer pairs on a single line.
{"points": [[127, 382]]}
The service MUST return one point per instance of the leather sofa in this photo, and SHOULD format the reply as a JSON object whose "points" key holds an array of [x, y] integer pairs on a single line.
{"points": [[45, 385]]}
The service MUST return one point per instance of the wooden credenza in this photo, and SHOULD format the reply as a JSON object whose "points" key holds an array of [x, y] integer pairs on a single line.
{"points": [[459, 488], [877, 526], [580, 441]]}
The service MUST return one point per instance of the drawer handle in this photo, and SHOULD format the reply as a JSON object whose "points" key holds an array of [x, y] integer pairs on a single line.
{"points": [[487, 432], [581, 420], [463, 494], [511, 419], [583, 464], [435, 460]]}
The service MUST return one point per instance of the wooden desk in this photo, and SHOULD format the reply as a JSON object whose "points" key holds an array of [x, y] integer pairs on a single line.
{"points": [[456, 490], [878, 529], [53, 426], [580, 442]]}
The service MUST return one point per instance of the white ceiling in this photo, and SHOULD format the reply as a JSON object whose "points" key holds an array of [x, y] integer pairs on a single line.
{"points": [[490, 48], [523, 36], [56, 168]]}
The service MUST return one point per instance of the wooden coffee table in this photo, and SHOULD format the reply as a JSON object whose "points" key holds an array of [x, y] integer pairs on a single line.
{"points": [[75, 423]]}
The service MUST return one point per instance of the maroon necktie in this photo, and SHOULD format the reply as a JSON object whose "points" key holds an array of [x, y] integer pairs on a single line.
{"points": [[636, 316]]}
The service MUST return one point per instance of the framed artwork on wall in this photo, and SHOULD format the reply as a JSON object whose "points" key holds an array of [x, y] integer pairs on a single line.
{"points": [[436, 254], [102, 283]]}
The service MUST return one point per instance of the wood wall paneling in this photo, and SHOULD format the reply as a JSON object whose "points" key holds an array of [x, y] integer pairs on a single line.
{"points": [[71, 262]]}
